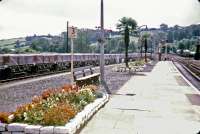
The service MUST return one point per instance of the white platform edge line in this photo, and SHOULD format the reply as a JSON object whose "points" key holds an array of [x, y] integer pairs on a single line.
{"points": [[188, 82]]}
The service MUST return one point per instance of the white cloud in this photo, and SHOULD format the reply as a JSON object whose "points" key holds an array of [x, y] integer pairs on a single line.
{"points": [[26, 17]]}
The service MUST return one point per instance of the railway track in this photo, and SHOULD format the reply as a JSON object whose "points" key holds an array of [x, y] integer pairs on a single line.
{"points": [[31, 76], [192, 66]]}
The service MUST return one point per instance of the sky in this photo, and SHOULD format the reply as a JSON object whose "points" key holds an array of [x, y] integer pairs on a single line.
{"points": [[20, 18]]}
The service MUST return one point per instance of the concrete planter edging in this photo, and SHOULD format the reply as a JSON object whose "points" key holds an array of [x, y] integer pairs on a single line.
{"points": [[70, 128]]}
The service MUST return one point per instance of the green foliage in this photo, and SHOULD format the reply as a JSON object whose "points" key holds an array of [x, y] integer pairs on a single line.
{"points": [[189, 44], [197, 53], [86, 95], [126, 23], [137, 63], [35, 114], [5, 50], [41, 45], [126, 26], [144, 39], [81, 44]]}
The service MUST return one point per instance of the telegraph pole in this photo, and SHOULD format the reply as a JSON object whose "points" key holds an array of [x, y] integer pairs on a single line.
{"points": [[67, 39], [102, 43]]}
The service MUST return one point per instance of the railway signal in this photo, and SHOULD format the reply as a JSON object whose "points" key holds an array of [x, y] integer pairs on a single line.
{"points": [[72, 33]]}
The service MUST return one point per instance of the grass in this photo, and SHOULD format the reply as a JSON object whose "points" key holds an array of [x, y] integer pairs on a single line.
{"points": [[9, 43]]}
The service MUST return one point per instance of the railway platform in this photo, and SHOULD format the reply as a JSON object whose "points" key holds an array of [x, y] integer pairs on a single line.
{"points": [[158, 102]]}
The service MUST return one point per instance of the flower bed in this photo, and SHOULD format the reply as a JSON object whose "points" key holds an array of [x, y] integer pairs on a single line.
{"points": [[137, 65], [55, 107]]}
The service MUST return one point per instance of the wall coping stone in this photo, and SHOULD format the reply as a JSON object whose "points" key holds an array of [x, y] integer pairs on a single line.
{"points": [[16, 127], [32, 129], [2, 127]]}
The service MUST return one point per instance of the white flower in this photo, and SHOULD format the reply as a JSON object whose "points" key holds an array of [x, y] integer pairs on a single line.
{"points": [[11, 117], [25, 116], [32, 106]]}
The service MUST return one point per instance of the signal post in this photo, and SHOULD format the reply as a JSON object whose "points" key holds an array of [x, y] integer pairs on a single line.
{"points": [[72, 32]]}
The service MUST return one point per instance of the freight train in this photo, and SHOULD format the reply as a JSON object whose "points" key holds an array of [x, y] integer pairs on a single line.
{"points": [[15, 65]]}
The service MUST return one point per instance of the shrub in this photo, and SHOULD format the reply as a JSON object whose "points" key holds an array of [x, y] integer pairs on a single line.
{"points": [[4, 117], [86, 96], [34, 115], [19, 113], [59, 115], [93, 88]]}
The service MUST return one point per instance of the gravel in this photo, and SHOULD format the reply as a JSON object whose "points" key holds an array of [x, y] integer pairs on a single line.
{"points": [[14, 95], [189, 77]]}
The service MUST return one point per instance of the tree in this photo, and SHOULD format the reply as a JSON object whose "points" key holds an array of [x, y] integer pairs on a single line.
{"points": [[144, 40], [126, 26], [181, 46], [5, 51], [197, 53]]}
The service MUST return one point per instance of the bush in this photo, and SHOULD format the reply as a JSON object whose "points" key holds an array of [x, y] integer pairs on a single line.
{"points": [[19, 113], [55, 106], [4, 117], [93, 88], [34, 115], [86, 95]]}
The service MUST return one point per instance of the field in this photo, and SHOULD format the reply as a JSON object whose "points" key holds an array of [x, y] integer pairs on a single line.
{"points": [[10, 43]]}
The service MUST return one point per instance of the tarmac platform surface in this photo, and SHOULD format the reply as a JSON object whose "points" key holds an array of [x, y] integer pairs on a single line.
{"points": [[156, 102]]}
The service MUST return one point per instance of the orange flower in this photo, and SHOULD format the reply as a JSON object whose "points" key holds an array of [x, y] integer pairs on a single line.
{"points": [[75, 88], [93, 88], [47, 93], [67, 88], [36, 99], [4, 117], [66, 112]]}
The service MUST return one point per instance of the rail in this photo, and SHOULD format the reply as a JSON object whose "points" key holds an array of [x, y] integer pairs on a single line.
{"points": [[192, 66]]}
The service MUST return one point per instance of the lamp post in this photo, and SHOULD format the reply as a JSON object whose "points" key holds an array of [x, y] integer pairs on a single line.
{"points": [[67, 44]]}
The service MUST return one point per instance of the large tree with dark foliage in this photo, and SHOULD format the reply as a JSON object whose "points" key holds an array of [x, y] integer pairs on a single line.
{"points": [[126, 25], [197, 54], [145, 41]]}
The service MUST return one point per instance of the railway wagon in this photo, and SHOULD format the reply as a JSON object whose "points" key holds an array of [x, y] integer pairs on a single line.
{"points": [[14, 65]]}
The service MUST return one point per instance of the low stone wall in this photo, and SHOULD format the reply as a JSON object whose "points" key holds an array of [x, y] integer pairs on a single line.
{"points": [[131, 69], [70, 128]]}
